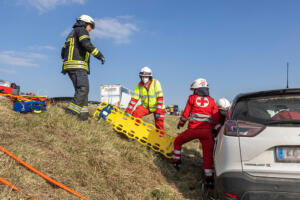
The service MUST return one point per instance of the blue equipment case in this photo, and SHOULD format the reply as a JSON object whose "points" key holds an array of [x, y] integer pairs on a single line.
{"points": [[30, 106]]}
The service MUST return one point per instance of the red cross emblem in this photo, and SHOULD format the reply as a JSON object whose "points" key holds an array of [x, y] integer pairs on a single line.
{"points": [[202, 101]]}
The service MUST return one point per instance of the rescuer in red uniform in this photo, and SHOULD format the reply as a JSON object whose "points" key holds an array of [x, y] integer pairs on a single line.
{"points": [[223, 105], [202, 113]]}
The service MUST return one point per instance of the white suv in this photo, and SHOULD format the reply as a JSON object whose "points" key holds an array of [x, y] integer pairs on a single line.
{"points": [[257, 151]]}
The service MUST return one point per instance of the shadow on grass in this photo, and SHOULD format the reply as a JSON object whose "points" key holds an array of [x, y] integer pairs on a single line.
{"points": [[188, 178]]}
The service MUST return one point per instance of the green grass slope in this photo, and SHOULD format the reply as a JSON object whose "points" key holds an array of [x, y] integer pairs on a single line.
{"points": [[90, 158]]}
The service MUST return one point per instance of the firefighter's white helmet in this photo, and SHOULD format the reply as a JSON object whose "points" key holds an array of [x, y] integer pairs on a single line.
{"points": [[87, 19], [145, 71], [223, 104], [199, 83]]}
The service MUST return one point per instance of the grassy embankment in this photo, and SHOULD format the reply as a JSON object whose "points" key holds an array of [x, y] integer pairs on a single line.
{"points": [[90, 158]]}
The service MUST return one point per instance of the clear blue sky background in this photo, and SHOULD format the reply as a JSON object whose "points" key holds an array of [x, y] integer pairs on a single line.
{"points": [[237, 45]]}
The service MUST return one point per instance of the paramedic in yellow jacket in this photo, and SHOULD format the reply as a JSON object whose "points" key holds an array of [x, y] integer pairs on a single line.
{"points": [[149, 91]]}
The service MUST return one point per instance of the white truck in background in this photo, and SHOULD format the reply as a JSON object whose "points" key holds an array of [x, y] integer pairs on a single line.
{"points": [[116, 95]]}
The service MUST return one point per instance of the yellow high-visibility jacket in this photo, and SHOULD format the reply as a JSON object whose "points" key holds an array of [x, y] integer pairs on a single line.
{"points": [[149, 98]]}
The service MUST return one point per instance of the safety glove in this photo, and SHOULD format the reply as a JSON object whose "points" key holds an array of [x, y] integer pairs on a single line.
{"points": [[102, 60]]}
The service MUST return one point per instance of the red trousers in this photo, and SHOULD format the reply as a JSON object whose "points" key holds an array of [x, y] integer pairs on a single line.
{"points": [[140, 112], [205, 137]]}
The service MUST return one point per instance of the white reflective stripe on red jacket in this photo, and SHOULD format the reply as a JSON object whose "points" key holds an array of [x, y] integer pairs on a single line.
{"points": [[177, 152], [200, 115], [132, 102], [208, 172], [130, 107], [200, 119]]}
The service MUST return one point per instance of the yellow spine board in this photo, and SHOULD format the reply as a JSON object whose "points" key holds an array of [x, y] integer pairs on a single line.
{"points": [[137, 129]]}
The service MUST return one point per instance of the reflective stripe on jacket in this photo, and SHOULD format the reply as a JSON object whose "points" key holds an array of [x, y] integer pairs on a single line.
{"points": [[149, 96], [76, 51], [202, 112]]}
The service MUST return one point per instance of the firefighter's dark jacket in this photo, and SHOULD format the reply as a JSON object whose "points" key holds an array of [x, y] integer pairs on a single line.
{"points": [[76, 52]]}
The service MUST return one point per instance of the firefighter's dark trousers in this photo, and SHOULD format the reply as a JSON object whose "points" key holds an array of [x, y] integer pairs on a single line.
{"points": [[79, 105]]}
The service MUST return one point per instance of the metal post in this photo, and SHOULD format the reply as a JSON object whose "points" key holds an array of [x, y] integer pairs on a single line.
{"points": [[287, 75]]}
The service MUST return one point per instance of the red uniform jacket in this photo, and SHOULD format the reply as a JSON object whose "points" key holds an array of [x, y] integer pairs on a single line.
{"points": [[202, 112]]}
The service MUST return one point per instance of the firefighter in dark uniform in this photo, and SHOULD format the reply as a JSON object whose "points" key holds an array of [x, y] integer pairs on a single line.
{"points": [[76, 58]]}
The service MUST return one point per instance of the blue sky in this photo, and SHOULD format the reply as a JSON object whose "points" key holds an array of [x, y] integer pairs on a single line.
{"points": [[237, 45]]}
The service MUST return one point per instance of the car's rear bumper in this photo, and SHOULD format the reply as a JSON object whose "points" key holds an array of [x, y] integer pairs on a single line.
{"points": [[248, 187]]}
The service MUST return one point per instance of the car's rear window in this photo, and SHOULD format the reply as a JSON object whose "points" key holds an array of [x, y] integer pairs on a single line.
{"points": [[279, 109]]}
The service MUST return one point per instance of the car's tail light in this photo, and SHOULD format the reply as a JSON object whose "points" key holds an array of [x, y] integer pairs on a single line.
{"points": [[242, 129]]}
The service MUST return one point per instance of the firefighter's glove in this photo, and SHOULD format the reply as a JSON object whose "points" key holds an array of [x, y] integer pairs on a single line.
{"points": [[102, 60]]}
